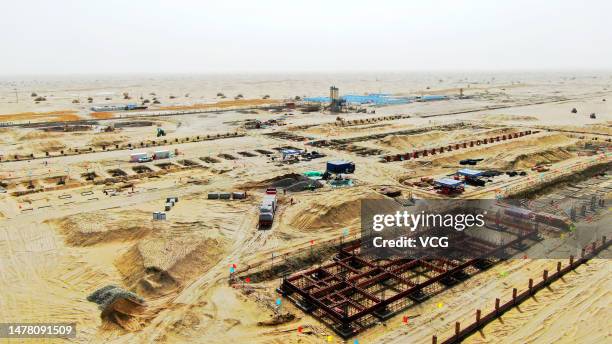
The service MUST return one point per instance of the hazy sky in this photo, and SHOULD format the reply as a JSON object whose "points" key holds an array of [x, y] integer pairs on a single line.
{"points": [[149, 36]]}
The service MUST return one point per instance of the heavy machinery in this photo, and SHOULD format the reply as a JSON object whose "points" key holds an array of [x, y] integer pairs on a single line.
{"points": [[160, 132]]}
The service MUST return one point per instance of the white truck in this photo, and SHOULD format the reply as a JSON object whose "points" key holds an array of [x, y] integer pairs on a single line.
{"points": [[267, 209], [139, 157], [161, 154]]}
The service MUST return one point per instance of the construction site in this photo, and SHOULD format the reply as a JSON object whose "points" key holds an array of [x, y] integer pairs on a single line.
{"points": [[190, 217]]}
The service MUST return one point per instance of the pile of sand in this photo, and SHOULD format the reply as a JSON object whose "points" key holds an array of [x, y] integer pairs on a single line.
{"points": [[491, 132], [437, 137], [35, 135], [594, 128], [222, 104], [516, 153], [104, 227], [40, 141], [48, 145], [335, 209], [119, 306], [104, 139], [406, 142], [290, 181], [331, 129], [501, 117], [304, 185], [102, 115], [59, 116], [163, 264], [543, 157], [5, 135]]}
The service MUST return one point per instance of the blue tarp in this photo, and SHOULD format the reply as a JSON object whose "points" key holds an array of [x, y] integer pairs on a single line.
{"points": [[376, 99], [433, 97], [318, 99], [340, 166]]}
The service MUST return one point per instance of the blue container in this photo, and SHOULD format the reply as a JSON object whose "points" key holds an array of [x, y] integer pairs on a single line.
{"points": [[340, 166]]}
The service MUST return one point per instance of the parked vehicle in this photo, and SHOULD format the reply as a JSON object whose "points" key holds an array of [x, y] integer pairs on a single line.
{"points": [[161, 154], [135, 157], [267, 209]]}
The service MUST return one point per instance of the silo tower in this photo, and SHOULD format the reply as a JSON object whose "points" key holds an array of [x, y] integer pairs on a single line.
{"points": [[334, 97]]}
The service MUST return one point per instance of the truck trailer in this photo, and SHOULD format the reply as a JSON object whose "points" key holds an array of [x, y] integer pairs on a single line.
{"points": [[267, 208], [161, 154]]}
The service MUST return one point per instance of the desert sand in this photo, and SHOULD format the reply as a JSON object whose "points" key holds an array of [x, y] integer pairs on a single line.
{"points": [[64, 235]]}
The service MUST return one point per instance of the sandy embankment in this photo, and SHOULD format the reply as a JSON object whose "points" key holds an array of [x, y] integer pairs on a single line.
{"points": [[52, 116], [524, 153]]}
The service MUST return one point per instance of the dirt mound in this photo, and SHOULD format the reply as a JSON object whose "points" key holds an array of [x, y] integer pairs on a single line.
{"points": [[103, 227], [544, 157], [286, 182], [594, 128], [304, 185], [107, 140], [502, 117], [335, 209], [554, 147], [48, 145], [487, 133], [222, 104], [332, 129], [60, 115], [278, 319], [291, 181], [119, 306], [39, 141], [102, 115], [404, 142], [437, 137], [35, 135], [165, 263]]}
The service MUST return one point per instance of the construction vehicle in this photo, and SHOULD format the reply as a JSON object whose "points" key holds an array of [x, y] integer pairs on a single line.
{"points": [[136, 157], [447, 186], [593, 116], [267, 209], [541, 168], [160, 132]]}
